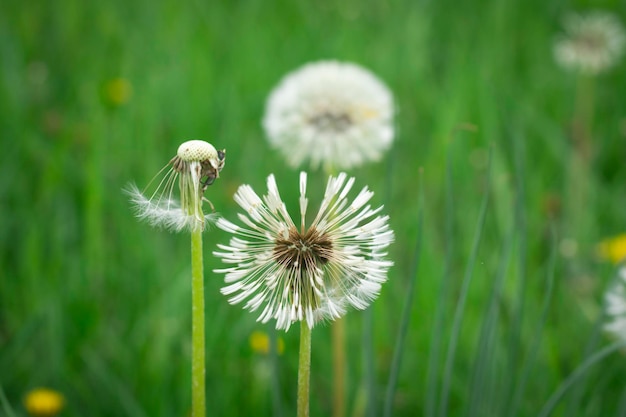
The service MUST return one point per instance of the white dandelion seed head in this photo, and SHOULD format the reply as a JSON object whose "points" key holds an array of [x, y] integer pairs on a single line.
{"points": [[591, 43], [615, 307], [330, 113], [293, 273], [195, 167]]}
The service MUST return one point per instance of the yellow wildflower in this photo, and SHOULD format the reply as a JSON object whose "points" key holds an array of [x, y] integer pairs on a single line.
{"points": [[613, 249], [260, 343], [118, 91], [43, 402]]}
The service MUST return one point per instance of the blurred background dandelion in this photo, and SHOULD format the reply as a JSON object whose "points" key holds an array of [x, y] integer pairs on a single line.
{"points": [[522, 199]]}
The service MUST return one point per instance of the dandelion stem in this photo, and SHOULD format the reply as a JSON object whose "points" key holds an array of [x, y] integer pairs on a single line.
{"points": [[198, 395], [580, 179], [583, 117], [304, 369], [339, 366]]}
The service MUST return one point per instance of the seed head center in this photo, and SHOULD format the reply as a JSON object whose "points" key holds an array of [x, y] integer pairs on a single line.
{"points": [[306, 251], [331, 122], [592, 41]]}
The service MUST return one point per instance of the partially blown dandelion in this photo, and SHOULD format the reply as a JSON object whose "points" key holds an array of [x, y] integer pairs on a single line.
{"points": [[305, 274], [197, 164], [615, 307], [591, 44], [330, 113]]}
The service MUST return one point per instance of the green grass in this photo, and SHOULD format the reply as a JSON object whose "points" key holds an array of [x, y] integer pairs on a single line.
{"points": [[97, 305]]}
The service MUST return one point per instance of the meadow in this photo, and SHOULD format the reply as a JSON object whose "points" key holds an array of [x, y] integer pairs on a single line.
{"points": [[494, 305]]}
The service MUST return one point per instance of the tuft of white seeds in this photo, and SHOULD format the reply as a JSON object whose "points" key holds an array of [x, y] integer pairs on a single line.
{"points": [[332, 114]]}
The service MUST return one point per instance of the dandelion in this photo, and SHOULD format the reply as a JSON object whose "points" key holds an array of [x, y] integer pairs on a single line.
{"points": [[300, 273], [336, 115], [295, 273], [613, 249], [117, 91], [330, 113], [196, 165], [615, 307], [44, 402], [591, 44]]}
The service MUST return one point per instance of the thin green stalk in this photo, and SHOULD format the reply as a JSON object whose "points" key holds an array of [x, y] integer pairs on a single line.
{"points": [[576, 398], [519, 306], [531, 358], [304, 369], [578, 372], [338, 330], [580, 184], [369, 388], [406, 318], [583, 117], [460, 307], [622, 405], [442, 295], [8, 411], [198, 392], [482, 386], [276, 399]]}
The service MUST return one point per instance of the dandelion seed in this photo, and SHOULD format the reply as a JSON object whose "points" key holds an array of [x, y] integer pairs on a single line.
{"points": [[196, 165], [615, 307], [292, 273], [44, 402], [591, 44], [330, 113]]}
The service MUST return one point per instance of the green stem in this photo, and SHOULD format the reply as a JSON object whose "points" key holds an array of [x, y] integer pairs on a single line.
{"points": [[198, 395], [580, 179], [583, 117], [339, 365], [304, 369]]}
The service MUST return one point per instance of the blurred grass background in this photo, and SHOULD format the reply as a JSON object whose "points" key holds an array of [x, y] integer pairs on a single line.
{"points": [[94, 304]]}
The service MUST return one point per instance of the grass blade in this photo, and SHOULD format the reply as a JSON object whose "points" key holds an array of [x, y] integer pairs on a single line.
{"points": [[406, 317], [481, 385], [275, 378], [518, 395], [517, 315], [444, 288], [460, 308], [6, 407], [578, 373]]}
